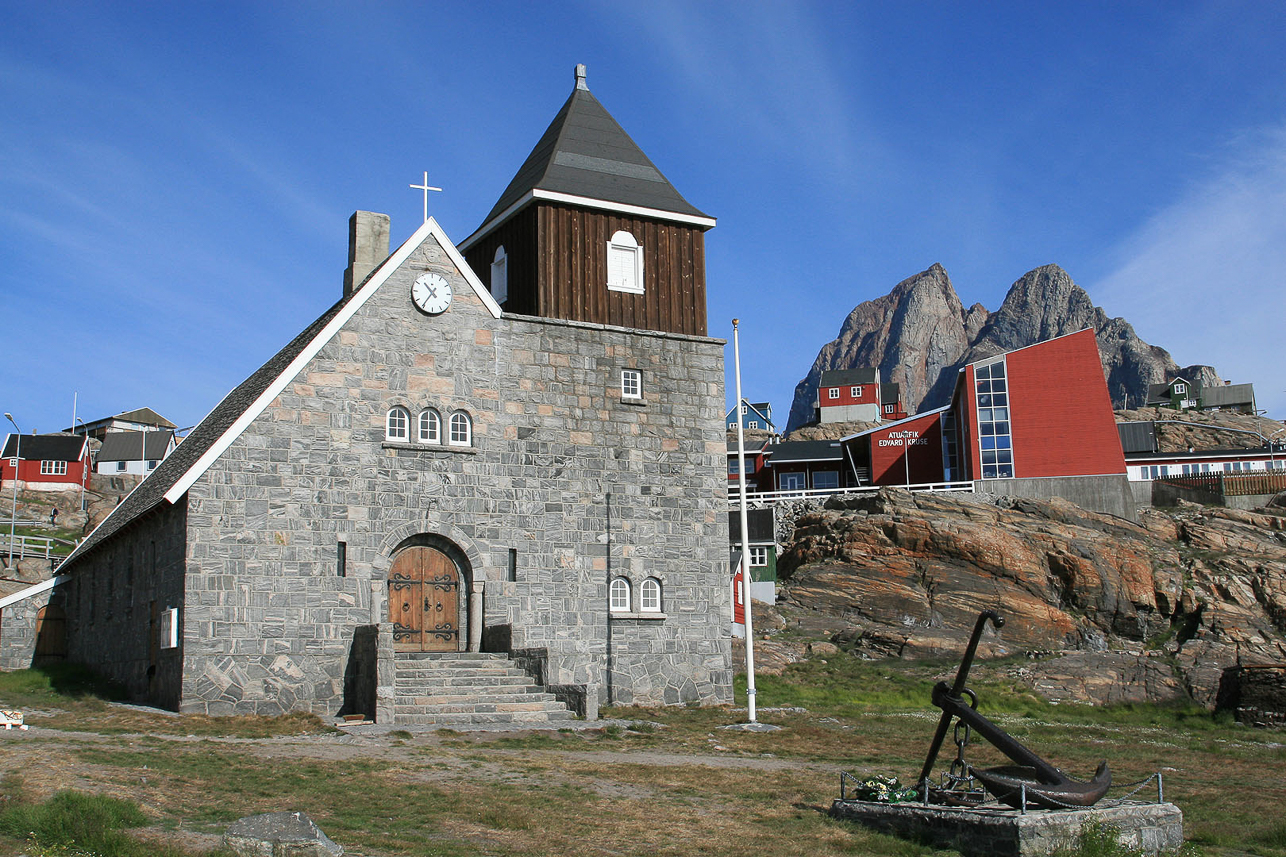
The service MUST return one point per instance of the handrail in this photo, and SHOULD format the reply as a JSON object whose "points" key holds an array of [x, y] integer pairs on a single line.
{"points": [[820, 493]]}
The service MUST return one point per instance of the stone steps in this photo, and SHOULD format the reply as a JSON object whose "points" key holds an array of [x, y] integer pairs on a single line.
{"points": [[470, 689]]}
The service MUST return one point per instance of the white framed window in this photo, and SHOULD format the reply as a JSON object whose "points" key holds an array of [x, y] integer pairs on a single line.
{"points": [[826, 479], [734, 467], [1180, 389], [170, 628], [832, 392], [888, 409], [745, 409], [500, 276], [619, 596], [753, 424], [120, 467], [461, 429], [794, 481], [650, 596], [624, 263], [631, 384], [430, 429], [855, 392], [758, 556], [398, 424], [53, 468]]}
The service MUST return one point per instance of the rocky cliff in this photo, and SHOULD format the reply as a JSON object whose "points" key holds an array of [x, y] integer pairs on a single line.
{"points": [[920, 334], [1132, 612]]}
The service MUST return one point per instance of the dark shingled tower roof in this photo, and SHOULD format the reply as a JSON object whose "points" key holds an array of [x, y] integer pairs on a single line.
{"points": [[584, 152]]}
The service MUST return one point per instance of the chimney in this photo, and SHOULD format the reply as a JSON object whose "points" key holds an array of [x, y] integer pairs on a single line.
{"points": [[580, 77], [367, 246]]}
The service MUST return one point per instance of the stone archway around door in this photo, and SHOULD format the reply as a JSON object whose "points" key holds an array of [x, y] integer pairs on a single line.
{"points": [[424, 601]]}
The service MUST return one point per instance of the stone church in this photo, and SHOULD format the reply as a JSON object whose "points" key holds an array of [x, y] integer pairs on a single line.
{"points": [[505, 456]]}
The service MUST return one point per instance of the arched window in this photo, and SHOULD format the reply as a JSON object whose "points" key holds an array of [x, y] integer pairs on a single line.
{"points": [[624, 263], [430, 426], [461, 429], [398, 425], [619, 597], [650, 596], [500, 276]]}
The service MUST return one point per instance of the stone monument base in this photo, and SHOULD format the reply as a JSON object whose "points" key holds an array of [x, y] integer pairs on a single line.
{"points": [[1001, 832]]}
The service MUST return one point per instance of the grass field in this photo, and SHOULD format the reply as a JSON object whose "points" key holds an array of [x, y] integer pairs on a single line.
{"points": [[667, 782]]}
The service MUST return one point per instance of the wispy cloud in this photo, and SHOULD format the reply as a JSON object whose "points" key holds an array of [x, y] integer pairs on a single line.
{"points": [[1204, 276]]}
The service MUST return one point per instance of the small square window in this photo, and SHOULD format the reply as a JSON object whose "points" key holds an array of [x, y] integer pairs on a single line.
{"points": [[758, 556], [855, 392], [754, 424], [120, 467], [151, 464], [833, 392], [631, 384]]}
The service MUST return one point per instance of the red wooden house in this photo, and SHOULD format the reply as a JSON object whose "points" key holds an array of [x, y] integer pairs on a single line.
{"points": [[1036, 421], [45, 461]]}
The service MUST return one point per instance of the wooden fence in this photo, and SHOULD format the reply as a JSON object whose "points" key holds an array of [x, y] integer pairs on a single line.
{"points": [[1244, 484]]}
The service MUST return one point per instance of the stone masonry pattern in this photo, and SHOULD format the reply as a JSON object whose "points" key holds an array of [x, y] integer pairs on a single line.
{"points": [[583, 485]]}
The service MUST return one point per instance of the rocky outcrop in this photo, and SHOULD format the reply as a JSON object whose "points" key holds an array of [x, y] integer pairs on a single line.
{"points": [[1178, 431], [919, 335], [1173, 601]]}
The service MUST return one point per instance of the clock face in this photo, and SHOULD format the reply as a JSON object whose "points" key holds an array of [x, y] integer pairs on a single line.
{"points": [[431, 293]]}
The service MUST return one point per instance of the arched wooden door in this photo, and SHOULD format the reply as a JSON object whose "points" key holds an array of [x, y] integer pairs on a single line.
{"points": [[424, 601]]}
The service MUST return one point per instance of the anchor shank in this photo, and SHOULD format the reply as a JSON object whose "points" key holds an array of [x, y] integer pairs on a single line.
{"points": [[999, 738], [961, 675]]}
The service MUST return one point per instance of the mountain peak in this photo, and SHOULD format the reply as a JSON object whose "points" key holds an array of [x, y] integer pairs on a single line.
{"points": [[919, 335]]}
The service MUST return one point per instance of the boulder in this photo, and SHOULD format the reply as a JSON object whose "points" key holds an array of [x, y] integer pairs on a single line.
{"points": [[279, 834]]}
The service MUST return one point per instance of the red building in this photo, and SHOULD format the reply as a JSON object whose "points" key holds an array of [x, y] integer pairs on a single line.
{"points": [[1036, 422], [45, 461]]}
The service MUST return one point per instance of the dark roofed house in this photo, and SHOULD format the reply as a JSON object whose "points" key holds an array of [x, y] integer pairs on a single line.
{"points": [[1178, 393], [809, 465], [139, 419], [1229, 397], [45, 462], [763, 550], [891, 407], [849, 395], [133, 452]]}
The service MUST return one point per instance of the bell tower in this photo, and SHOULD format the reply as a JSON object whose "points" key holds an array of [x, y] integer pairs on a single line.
{"points": [[590, 230]]}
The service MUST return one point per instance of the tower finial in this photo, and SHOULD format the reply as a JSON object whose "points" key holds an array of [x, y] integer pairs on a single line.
{"points": [[580, 77]]}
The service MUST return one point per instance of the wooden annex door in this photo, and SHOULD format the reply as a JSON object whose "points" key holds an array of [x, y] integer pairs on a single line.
{"points": [[424, 601]]}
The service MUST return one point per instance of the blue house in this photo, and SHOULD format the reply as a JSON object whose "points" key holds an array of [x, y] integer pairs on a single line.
{"points": [[754, 415]]}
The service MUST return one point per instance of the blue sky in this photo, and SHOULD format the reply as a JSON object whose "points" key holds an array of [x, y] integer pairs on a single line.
{"points": [[175, 179]]}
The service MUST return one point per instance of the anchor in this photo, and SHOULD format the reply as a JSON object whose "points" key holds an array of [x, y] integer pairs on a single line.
{"points": [[1031, 779]]}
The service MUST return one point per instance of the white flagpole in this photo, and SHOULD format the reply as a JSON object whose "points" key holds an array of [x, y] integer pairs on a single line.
{"points": [[745, 531]]}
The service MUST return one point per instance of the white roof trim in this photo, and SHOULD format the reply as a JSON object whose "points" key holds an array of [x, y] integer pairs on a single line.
{"points": [[889, 425], [587, 202], [42, 586], [373, 284]]}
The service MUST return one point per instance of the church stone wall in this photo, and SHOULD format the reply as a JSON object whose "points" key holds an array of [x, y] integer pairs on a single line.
{"points": [[115, 600], [582, 485]]}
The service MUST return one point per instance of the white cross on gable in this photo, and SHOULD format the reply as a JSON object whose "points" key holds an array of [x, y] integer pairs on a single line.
{"points": [[425, 187]]}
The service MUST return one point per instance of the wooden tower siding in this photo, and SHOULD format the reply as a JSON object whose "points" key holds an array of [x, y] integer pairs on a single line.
{"points": [[572, 271], [558, 268], [518, 237]]}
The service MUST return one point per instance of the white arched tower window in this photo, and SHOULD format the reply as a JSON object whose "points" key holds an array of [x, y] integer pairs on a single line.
{"points": [[624, 264], [461, 429], [430, 426], [500, 276], [619, 597], [398, 424], [650, 596]]}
